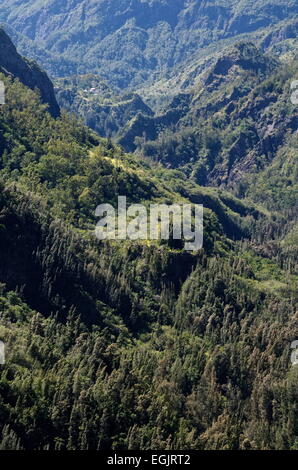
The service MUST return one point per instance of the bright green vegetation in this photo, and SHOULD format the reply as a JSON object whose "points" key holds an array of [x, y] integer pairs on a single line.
{"points": [[75, 170], [135, 346], [142, 345]]}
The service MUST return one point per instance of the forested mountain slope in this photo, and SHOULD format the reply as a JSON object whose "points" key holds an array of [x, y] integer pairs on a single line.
{"points": [[99, 106], [234, 122], [134, 346], [130, 41], [141, 345]]}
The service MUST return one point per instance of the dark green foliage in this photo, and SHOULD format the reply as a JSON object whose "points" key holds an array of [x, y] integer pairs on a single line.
{"points": [[217, 377], [142, 345], [134, 347], [101, 108]]}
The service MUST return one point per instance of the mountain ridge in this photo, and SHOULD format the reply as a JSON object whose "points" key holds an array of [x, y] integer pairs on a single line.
{"points": [[135, 41], [28, 72], [130, 345], [139, 345]]}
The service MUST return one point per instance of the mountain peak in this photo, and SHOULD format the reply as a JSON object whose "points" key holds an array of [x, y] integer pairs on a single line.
{"points": [[244, 55]]}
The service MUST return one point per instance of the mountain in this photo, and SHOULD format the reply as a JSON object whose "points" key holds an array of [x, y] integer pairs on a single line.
{"points": [[132, 345], [131, 42], [233, 123], [234, 73], [141, 345], [101, 108], [28, 72]]}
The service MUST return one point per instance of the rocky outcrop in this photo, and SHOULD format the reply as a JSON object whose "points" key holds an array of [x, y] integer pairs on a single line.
{"points": [[245, 56], [241, 63], [29, 73], [280, 34]]}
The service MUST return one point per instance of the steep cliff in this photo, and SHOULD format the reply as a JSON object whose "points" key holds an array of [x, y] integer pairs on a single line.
{"points": [[28, 72], [232, 123]]}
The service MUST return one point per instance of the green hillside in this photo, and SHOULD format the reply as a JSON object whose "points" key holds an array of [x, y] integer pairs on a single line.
{"points": [[129, 340], [142, 345]]}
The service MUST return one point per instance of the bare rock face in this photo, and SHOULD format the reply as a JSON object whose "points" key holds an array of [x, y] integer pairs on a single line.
{"points": [[28, 72]]}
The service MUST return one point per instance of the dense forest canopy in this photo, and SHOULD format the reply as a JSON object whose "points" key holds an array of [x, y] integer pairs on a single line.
{"points": [[129, 42], [142, 345]]}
